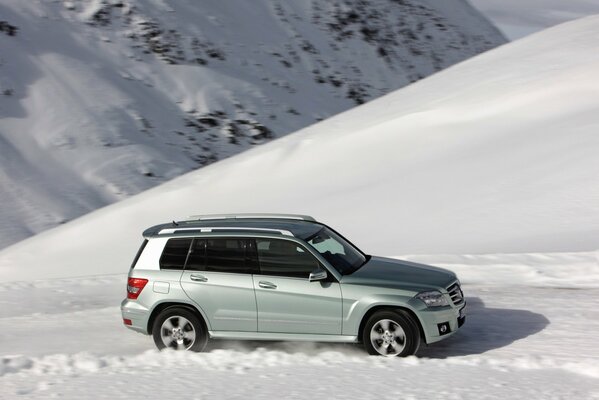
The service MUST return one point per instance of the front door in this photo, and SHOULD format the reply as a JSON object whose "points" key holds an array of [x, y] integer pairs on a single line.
{"points": [[287, 302], [218, 278]]}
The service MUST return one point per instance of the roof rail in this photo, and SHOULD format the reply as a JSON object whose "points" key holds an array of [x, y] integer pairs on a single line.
{"points": [[209, 229], [248, 215]]}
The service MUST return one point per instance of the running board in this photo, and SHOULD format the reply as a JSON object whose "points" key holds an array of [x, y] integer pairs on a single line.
{"points": [[294, 337]]}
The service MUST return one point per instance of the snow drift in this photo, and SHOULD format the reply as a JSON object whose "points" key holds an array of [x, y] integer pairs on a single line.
{"points": [[496, 154]]}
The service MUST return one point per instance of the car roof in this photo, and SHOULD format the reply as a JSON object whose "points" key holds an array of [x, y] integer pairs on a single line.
{"points": [[246, 225]]}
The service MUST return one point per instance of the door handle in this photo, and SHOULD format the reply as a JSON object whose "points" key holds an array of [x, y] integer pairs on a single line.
{"points": [[267, 285], [198, 278]]}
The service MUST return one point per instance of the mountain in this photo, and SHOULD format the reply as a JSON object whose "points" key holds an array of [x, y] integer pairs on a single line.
{"points": [[494, 155], [101, 99]]}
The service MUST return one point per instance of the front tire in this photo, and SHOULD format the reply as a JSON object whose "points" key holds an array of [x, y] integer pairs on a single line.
{"points": [[178, 328], [391, 334]]}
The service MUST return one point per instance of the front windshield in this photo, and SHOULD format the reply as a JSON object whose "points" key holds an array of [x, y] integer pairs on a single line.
{"points": [[344, 257]]}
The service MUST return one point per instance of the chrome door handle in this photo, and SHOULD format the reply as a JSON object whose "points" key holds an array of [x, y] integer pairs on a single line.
{"points": [[267, 285], [198, 278]]}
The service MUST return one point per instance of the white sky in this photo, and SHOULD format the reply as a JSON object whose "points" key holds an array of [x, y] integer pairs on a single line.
{"points": [[518, 18]]}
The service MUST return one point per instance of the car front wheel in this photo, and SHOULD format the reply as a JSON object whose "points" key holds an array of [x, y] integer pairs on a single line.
{"points": [[391, 333], [178, 328]]}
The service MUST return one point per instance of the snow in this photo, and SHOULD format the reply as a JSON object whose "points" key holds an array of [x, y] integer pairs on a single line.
{"points": [[109, 98], [549, 270], [519, 18], [488, 168], [494, 155], [519, 341]]}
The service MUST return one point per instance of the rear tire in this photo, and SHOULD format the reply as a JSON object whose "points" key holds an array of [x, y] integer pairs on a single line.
{"points": [[391, 333], [179, 328]]}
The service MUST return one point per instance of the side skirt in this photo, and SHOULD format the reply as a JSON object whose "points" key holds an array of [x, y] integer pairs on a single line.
{"points": [[294, 337]]}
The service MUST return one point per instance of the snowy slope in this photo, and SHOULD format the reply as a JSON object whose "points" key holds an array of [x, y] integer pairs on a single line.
{"points": [[101, 99], [494, 155], [518, 18]]}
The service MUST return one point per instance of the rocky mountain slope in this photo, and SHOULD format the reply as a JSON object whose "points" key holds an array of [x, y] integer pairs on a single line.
{"points": [[101, 99]]}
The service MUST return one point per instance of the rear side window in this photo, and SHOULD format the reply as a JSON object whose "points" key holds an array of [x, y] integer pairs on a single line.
{"points": [[141, 249], [285, 258], [227, 255], [175, 253]]}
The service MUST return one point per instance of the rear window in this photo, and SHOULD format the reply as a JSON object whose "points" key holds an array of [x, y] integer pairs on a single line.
{"points": [[175, 253]]}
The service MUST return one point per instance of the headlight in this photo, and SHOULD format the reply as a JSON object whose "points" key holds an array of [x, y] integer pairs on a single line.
{"points": [[433, 299]]}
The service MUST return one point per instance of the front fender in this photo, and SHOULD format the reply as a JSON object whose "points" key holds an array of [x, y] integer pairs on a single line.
{"points": [[355, 310]]}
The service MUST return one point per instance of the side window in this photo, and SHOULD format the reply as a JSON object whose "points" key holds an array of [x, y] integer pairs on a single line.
{"points": [[141, 249], [175, 253], [284, 258], [197, 256], [226, 255]]}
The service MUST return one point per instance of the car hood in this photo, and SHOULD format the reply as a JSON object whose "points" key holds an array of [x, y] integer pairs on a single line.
{"points": [[393, 272]]}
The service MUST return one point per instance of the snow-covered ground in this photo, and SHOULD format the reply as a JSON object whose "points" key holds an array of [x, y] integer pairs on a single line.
{"points": [[493, 159], [518, 18], [522, 339], [102, 99]]}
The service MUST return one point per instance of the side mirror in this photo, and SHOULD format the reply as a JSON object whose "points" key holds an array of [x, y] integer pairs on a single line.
{"points": [[318, 275]]}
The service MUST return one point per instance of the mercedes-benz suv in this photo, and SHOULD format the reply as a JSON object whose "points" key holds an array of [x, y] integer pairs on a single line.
{"points": [[282, 277]]}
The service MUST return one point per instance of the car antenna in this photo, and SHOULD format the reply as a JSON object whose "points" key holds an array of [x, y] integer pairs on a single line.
{"points": [[175, 223]]}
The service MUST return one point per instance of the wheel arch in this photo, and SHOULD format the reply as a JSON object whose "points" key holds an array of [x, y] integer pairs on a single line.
{"points": [[169, 304], [384, 307]]}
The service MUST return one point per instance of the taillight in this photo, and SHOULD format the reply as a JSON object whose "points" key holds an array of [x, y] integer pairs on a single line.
{"points": [[134, 287]]}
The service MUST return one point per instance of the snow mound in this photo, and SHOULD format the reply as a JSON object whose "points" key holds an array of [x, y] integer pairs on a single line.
{"points": [[241, 362], [494, 155]]}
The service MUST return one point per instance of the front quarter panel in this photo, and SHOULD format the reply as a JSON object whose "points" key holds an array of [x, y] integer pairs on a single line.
{"points": [[358, 300]]}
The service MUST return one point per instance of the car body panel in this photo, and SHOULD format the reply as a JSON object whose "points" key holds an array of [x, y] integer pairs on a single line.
{"points": [[153, 295], [392, 272], [297, 305], [296, 337], [227, 298]]}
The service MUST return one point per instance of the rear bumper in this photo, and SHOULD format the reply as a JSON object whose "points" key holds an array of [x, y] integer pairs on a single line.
{"points": [[137, 314], [441, 324]]}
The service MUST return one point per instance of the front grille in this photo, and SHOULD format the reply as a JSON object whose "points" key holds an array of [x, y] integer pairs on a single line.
{"points": [[455, 292]]}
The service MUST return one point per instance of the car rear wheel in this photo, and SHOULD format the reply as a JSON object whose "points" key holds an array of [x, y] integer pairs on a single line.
{"points": [[178, 328], [390, 334]]}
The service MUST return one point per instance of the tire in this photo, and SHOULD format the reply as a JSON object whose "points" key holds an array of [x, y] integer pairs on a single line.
{"points": [[179, 328], [391, 333]]}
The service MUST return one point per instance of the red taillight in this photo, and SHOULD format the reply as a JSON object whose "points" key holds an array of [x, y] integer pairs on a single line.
{"points": [[134, 287], [127, 321]]}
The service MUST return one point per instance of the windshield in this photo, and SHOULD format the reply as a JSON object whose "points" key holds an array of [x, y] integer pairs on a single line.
{"points": [[342, 255]]}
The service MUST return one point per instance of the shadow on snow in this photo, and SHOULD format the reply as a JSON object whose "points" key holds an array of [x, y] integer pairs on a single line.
{"points": [[486, 329]]}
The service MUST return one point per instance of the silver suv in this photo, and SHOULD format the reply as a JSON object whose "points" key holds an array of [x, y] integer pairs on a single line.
{"points": [[282, 277]]}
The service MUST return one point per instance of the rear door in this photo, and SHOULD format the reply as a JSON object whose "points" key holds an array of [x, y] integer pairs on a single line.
{"points": [[218, 277], [287, 301]]}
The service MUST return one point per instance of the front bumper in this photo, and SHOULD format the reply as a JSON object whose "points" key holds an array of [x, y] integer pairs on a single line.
{"points": [[136, 314], [439, 324]]}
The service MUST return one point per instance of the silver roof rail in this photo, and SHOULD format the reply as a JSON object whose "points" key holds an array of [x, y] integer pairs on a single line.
{"points": [[209, 229], [248, 215]]}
